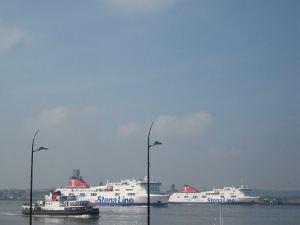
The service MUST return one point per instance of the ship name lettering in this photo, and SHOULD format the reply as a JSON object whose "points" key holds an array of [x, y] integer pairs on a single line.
{"points": [[103, 200], [210, 200]]}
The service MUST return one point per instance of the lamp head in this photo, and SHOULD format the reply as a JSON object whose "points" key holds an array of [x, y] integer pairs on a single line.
{"points": [[157, 143], [40, 148]]}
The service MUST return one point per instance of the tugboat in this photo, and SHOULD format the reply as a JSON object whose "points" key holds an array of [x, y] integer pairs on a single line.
{"points": [[57, 205]]}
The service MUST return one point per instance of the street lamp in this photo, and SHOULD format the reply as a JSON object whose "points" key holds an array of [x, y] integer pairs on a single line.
{"points": [[32, 151], [148, 177]]}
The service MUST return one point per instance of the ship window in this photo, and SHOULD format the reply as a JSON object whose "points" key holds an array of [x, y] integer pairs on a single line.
{"points": [[117, 189], [131, 194], [129, 189], [93, 194], [82, 194], [117, 194], [108, 189]]}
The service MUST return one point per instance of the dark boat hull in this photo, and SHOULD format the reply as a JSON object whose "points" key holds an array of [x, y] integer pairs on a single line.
{"points": [[94, 212]]}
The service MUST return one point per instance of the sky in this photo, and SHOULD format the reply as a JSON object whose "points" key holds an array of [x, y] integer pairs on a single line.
{"points": [[219, 79]]}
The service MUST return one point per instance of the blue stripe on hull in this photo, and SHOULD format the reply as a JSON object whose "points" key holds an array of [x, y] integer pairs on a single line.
{"points": [[132, 204], [215, 203]]}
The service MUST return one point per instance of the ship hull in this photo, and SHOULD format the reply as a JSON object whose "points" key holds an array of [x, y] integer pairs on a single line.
{"points": [[133, 204], [94, 212], [215, 203], [157, 200]]}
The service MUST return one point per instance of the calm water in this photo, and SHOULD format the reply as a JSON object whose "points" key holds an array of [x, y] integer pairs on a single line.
{"points": [[173, 214]]}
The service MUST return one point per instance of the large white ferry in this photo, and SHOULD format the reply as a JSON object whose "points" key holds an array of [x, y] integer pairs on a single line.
{"points": [[226, 195], [124, 193]]}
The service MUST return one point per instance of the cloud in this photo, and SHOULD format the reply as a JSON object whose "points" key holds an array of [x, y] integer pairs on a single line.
{"points": [[129, 130], [193, 125], [141, 5], [62, 120], [51, 120], [187, 126], [218, 153], [9, 36], [234, 151]]}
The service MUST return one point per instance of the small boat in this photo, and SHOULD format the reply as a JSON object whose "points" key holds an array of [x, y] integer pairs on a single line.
{"points": [[57, 205]]}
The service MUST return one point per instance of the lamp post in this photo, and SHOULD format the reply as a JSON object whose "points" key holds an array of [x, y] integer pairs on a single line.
{"points": [[32, 151], [148, 177]]}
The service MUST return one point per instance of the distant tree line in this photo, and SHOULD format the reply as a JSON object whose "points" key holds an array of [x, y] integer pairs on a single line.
{"points": [[22, 195]]}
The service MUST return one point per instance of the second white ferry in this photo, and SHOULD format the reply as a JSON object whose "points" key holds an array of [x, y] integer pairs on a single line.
{"points": [[226, 196], [124, 193]]}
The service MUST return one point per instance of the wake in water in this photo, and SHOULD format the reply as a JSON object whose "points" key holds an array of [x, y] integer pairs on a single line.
{"points": [[10, 214]]}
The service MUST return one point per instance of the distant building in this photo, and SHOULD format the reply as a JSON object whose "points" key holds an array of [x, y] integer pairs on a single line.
{"points": [[173, 190]]}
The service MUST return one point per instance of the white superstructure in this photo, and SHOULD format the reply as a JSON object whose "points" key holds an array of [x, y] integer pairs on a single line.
{"points": [[226, 195]]}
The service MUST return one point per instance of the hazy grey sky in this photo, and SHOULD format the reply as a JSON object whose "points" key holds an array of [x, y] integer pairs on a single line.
{"points": [[220, 79]]}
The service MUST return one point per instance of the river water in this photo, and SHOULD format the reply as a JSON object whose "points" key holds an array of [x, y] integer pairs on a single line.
{"points": [[173, 214]]}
